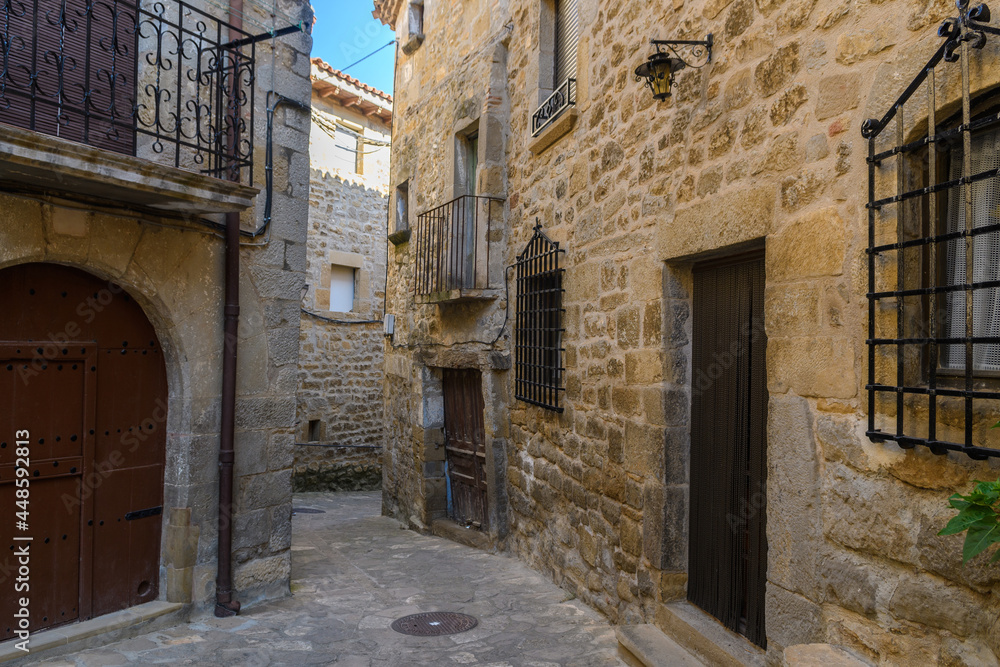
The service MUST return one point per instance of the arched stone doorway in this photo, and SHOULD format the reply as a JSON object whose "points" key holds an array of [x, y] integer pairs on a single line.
{"points": [[83, 373]]}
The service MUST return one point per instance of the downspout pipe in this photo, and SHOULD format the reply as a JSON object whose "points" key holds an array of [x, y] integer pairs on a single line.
{"points": [[225, 602]]}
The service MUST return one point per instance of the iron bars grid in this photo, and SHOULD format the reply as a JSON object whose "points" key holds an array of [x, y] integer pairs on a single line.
{"points": [[538, 351], [452, 245], [934, 260], [158, 79]]}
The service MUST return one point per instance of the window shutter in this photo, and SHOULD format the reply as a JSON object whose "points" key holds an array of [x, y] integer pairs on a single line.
{"points": [[345, 154], [567, 37], [341, 288]]}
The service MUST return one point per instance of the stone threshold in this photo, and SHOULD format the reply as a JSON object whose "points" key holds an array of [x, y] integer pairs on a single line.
{"points": [[455, 532], [646, 646], [703, 636], [95, 632]]}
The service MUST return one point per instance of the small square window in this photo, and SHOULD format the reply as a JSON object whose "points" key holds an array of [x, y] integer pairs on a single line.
{"points": [[403, 206], [315, 430], [415, 19], [345, 152], [414, 28], [342, 280]]}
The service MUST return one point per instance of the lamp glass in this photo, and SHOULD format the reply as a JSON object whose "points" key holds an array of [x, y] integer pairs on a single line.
{"points": [[658, 71]]}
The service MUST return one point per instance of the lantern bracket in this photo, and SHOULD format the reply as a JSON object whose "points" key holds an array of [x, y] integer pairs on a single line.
{"points": [[660, 67], [695, 49]]}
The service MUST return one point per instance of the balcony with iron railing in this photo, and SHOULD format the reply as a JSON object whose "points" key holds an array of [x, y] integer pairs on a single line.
{"points": [[146, 101], [452, 248], [554, 105], [554, 117]]}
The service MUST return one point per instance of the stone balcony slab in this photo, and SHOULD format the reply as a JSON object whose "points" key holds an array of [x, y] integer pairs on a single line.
{"points": [[458, 296], [35, 163]]}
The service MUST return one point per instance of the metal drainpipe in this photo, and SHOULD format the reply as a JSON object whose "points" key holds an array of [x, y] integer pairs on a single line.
{"points": [[225, 605]]}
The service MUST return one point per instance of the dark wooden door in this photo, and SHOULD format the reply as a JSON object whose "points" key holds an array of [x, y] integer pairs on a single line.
{"points": [[727, 562], [71, 70], [81, 370], [54, 403], [465, 446]]}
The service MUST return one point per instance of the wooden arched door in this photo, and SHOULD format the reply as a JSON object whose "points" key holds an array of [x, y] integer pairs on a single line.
{"points": [[82, 372]]}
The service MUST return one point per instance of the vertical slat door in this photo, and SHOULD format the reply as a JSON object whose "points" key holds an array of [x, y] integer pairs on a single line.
{"points": [[727, 542], [465, 445]]}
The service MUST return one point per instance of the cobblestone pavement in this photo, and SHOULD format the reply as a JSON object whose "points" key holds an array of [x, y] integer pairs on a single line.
{"points": [[353, 573]]}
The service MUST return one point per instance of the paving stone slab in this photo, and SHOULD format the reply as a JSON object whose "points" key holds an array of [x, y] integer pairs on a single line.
{"points": [[353, 573]]}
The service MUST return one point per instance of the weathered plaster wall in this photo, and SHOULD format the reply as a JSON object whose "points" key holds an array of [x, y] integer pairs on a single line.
{"points": [[764, 145], [174, 269], [341, 365]]}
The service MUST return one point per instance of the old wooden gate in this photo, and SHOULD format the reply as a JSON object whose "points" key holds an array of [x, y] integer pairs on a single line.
{"points": [[465, 445], [728, 549], [81, 370]]}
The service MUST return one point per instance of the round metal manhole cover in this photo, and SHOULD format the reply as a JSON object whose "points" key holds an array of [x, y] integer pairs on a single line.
{"points": [[434, 623], [306, 510]]}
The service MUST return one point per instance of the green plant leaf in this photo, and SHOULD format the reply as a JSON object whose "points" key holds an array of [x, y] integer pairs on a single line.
{"points": [[981, 536], [967, 517], [958, 501], [996, 557], [985, 493]]}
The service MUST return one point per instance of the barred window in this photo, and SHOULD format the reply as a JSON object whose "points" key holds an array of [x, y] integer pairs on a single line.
{"points": [[934, 255], [538, 320]]}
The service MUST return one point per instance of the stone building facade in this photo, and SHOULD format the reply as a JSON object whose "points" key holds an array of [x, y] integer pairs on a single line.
{"points": [[339, 436], [758, 154], [136, 217]]}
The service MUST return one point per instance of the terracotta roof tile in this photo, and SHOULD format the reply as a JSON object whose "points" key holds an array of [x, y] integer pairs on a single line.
{"points": [[325, 67]]}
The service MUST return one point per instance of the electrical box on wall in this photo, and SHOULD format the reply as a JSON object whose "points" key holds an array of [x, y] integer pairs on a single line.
{"points": [[389, 324]]}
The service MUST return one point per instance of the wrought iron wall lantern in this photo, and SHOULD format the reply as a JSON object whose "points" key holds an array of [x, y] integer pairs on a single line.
{"points": [[659, 69]]}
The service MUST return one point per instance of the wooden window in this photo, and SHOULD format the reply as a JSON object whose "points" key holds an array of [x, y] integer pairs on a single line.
{"points": [[345, 152], [342, 279]]}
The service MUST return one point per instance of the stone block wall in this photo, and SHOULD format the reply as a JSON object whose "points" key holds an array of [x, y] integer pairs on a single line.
{"points": [[173, 267], [340, 384], [760, 147]]}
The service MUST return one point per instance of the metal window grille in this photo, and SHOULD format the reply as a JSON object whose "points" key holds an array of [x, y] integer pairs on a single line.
{"points": [[538, 317], [934, 259], [162, 80], [561, 99], [452, 245]]}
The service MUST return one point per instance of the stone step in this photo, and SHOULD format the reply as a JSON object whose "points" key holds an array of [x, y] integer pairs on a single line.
{"points": [[98, 631], [822, 655], [470, 537], [704, 637], [647, 646]]}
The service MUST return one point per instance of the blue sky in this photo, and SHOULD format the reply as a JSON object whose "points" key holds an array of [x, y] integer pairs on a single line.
{"points": [[346, 32]]}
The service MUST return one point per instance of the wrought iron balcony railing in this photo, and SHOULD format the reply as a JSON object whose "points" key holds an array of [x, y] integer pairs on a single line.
{"points": [[561, 99], [452, 246], [157, 79]]}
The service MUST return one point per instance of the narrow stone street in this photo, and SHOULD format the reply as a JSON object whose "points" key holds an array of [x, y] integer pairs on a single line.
{"points": [[353, 573]]}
